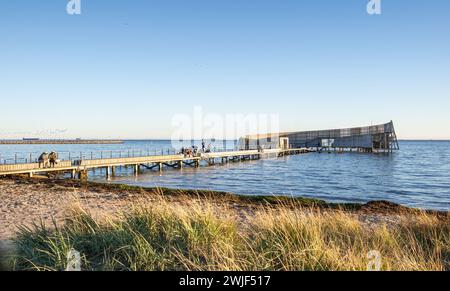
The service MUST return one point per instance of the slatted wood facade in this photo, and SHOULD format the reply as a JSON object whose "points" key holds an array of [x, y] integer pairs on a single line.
{"points": [[370, 138]]}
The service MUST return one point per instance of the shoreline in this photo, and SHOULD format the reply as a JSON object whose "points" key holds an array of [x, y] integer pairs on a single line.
{"points": [[99, 187], [29, 200]]}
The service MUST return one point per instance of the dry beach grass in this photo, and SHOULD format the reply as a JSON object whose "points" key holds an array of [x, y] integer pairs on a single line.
{"points": [[126, 228]]}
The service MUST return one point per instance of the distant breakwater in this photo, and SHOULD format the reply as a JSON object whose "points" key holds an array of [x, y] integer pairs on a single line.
{"points": [[42, 141]]}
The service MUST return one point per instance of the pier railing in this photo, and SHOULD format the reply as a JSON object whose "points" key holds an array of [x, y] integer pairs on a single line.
{"points": [[30, 158]]}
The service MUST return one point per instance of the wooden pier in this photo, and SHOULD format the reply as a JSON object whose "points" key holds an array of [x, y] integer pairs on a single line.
{"points": [[79, 168]]}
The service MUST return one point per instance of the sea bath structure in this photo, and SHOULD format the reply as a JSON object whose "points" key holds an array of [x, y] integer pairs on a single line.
{"points": [[371, 139]]}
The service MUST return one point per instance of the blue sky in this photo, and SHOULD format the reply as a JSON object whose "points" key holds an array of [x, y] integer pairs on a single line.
{"points": [[122, 69]]}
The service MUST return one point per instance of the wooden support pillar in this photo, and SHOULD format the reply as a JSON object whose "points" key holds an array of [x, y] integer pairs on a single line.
{"points": [[180, 165], [386, 146], [136, 169], [31, 174], [73, 174], [113, 171], [161, 167], [108, 172]]}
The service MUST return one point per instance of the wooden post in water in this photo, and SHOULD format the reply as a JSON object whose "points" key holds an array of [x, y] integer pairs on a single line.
{"points": [[386, 149]]}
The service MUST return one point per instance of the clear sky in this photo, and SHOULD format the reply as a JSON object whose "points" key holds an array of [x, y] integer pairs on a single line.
{"points": [[122, 69]]}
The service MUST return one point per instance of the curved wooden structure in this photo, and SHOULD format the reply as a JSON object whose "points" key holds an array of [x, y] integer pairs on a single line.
{"points": [[374, 139]]}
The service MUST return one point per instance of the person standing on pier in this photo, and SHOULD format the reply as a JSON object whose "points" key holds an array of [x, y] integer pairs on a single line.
{"points": [[53, 158], [44, 160]]}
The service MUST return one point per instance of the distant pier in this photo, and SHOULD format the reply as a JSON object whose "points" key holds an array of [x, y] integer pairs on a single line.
{"points": [[60, 141]]}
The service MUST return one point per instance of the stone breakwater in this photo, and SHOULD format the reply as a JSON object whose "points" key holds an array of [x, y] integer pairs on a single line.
{"points": [[80, 141]]}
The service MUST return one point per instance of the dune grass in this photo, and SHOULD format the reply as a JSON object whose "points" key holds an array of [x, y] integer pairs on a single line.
{"points": [[200, 234]]}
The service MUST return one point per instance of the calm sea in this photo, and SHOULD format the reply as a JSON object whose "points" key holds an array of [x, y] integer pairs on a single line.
{"points": [[418, 175]]}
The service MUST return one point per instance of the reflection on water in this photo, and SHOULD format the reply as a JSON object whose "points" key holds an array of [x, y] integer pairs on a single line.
{"points": [[418, 176]]}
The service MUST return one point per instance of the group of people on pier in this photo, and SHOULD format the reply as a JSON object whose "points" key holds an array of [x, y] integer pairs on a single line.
{"points": [[48, 160], [193, 151]]}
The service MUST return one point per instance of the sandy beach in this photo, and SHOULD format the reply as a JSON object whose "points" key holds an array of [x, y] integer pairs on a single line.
{"points": [[28, 201]]}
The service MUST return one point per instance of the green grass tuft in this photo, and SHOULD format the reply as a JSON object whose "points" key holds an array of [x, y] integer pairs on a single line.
{"points": [[199, 234]]}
